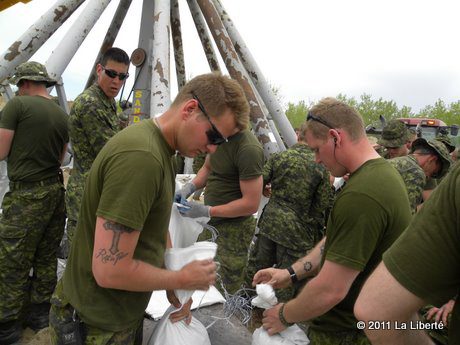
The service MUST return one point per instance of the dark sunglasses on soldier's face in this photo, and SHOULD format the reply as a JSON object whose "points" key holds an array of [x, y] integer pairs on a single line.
{"points": [[113, 74], [213, 134], [312, 117]]}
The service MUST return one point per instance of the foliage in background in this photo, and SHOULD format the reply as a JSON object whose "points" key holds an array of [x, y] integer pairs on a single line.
{"points": [[371, 109]]}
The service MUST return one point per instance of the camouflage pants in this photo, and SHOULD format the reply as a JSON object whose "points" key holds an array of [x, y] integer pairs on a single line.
{"points": [[31, 228], [337, 338], [62, 314], [266, 253], [73, 196], [232, 251]]}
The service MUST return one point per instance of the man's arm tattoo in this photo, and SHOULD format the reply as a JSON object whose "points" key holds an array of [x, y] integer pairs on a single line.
{"points": [[114, 254]]}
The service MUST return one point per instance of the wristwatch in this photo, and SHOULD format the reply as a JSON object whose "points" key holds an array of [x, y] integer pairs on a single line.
{"points": [[294, 278]]}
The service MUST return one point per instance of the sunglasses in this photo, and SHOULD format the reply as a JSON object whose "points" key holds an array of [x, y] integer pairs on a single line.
{"points": [[213, 134], [113, 74], [312, 117]]}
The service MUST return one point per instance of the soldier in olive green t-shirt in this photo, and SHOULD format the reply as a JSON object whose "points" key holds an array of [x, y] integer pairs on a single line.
{"points": [[34, 137], [116, 259], [233, 179], [401, 285], [368, 215]]}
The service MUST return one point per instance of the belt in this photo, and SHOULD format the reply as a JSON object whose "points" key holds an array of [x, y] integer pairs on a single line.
{"points": [[15, 185]]}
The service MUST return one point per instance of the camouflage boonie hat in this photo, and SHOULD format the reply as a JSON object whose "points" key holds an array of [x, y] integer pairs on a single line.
{"points": [[440, 150], [32, 71], [447, 142], [394, 134]]}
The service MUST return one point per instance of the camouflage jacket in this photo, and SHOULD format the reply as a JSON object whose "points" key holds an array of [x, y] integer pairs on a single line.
{"points": [[93, 121], [301, 197], [413, 176]]}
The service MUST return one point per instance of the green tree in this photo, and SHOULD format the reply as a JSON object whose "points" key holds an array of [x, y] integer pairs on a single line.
{"points": [[297, 113]]}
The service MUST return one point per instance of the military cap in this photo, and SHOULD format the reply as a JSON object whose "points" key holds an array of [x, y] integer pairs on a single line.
{"points": [[394, 134], [446, 141], [439, 149], [32, 70]]}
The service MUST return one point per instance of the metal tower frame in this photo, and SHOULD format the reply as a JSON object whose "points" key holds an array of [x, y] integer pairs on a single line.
{"points": [[160, 24]]}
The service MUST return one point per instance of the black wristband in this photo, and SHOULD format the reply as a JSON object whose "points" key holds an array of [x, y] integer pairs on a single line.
{"points": [[281, 317], [294, 278]]}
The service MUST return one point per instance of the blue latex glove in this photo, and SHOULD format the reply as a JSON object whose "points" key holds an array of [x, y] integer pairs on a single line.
{"points": [[182, 194], [194, 209]]}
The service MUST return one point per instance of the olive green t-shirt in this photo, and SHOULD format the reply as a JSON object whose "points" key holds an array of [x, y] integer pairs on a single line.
{"points": [[426, 258], [40, 133], [368, 215], [131, 182], [241, 158]]}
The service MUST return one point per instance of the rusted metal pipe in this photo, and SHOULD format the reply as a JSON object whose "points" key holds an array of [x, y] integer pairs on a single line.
{"points": [[258, 79], [203, 33], [176, 34], [110, 36], [160, 96], [66, 49], [36, 35], [259, 122]]}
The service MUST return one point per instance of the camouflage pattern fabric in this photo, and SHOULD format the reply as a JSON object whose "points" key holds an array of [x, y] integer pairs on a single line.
{"points": [[293, 220], [32, 70], [93, 121], [31, 228], [198, 162], [413, 176], [62, 313], [232, 251], [337, 338], [394, 134], [263, 254]]}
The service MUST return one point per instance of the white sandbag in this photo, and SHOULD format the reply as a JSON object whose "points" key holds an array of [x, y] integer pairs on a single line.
{"points": [[293, 335], [179, 333], [184, 231], [176, 258]]}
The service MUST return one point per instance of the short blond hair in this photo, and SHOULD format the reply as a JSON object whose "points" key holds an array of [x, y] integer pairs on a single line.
{"points": [[337, 114], [217, 93]]}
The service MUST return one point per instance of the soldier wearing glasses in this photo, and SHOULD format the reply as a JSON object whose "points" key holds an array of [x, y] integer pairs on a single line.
{"points": [[93, 121], [233, 179], [367, 217], [118, 250]]}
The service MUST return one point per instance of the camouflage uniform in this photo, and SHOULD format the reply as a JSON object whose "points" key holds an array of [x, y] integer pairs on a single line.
{"points": [[413, 177], [33, 216], [62, 313], [394, 134], [93, 121], [293, 220]]}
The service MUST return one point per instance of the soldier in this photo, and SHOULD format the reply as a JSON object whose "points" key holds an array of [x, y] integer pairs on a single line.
{"points": [[428, 160], [420, 267], [233, 179], [396, 139], [293, 220], [93, 121], [367, 217], [34, 137], [116, 258]]}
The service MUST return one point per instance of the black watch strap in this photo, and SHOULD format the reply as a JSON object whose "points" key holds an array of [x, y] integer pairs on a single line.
{"points": [[294, 278]]}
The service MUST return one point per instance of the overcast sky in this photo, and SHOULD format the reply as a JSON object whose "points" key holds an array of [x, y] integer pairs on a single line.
{"points": [[406, 50]]}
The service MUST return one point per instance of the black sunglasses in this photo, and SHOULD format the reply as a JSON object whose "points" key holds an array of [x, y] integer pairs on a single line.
{"points": [[312, 117], [213, 134], [113, 74]]}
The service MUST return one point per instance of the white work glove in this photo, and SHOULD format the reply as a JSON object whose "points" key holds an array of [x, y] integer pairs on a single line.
{"points": [[182, 194], [194, 209]]}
